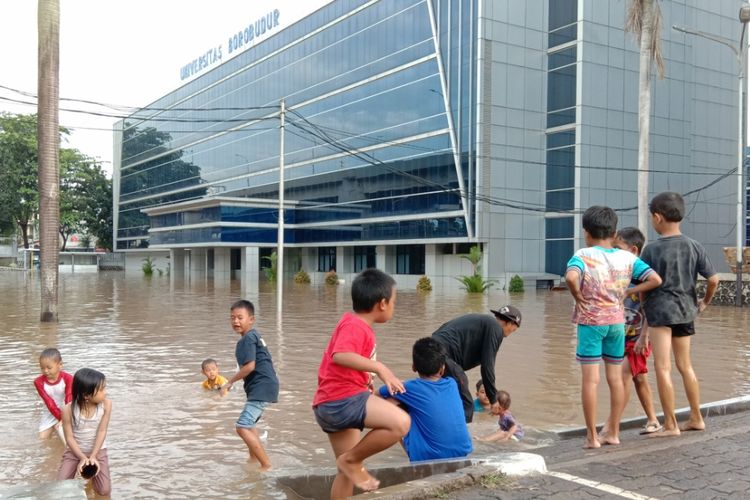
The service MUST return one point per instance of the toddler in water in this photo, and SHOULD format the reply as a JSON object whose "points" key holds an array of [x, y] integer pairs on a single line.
{"points": [[85, 423], [509, 428], [54, 387], [214, 380]]}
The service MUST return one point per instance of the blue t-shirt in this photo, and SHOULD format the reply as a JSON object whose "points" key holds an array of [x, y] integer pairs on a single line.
{"points": [[438, 424], [262, 383]]}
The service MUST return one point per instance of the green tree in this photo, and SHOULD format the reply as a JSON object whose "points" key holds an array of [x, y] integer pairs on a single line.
{"points": [[85, 198], [19, 193]]}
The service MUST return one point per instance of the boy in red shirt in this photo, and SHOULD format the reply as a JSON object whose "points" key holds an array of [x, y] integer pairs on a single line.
{"points": [[344, 403]]}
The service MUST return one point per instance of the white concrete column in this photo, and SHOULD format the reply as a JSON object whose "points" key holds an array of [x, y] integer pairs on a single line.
{"points": [[430, 261], [380, 258], [250, 272], [222, 265], [198, 264], [344, 265], [177, 262]]}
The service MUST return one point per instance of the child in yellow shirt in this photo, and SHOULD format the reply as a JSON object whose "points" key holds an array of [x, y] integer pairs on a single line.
{"points": [[213, 381]]}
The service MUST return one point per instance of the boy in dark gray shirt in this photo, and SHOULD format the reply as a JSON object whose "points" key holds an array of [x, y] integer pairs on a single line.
{"points": [[672, 308]]}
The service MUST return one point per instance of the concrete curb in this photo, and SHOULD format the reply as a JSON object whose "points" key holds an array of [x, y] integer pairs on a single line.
{"points": [[723, 407], [491, 470]]}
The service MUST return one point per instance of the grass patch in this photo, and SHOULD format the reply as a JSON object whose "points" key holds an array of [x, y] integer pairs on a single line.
{"points": [[495, 480]]}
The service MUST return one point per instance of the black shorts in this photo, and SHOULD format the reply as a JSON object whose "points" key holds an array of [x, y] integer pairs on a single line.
{"points": [[682, 329], [347, 413]]}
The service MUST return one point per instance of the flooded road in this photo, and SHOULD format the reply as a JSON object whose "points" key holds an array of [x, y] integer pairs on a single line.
{"points": [[168, 439]]}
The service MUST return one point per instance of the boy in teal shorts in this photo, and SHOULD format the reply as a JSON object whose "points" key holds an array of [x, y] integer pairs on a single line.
{"points": [[598, 277]]}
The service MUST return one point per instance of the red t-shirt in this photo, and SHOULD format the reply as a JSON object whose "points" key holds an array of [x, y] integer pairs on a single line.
{"points": [[352, 334]]}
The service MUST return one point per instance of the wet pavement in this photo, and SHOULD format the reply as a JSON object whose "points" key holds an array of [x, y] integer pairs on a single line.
{"points": [[697, 465]]}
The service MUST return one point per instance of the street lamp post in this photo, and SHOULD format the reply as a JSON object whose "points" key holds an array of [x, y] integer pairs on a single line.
{"points": [[741, 52]]}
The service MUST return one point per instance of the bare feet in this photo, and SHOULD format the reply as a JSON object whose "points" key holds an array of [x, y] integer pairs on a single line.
{"points": [[693, 426], [265, 468], [357, 474], [665, 433], [609, 440], [591, 444]]}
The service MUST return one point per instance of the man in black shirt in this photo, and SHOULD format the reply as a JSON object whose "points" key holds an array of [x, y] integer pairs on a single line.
{"points": [[471, 340]]}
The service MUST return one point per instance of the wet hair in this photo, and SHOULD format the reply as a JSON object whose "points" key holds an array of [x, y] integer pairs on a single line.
{"points": [[208, 361], [86, 382], [600, 222], [370, 287], [503, 399], [632, 236], [244, 304], [669, 205], [428, 356], [51, 353], [479, 384]]}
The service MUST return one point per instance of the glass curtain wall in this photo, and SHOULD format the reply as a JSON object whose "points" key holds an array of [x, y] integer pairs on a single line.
{"points": [[562, 72], [367, 135]]}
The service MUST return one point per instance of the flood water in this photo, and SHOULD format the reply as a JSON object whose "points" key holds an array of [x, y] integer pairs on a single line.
{"points": [[168, 439]]}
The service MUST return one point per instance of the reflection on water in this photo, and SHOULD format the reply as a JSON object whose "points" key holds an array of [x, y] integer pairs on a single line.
{"points": [[169, 439]]}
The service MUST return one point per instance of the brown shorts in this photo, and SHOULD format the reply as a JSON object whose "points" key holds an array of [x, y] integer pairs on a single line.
{"points": [[69, 467]]}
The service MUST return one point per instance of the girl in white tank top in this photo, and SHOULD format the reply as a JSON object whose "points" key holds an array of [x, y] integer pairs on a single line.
{"points": [[85, 423]]}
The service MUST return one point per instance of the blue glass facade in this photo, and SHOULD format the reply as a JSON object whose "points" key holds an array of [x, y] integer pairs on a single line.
{"points": [[562, 72], [379, 136]]}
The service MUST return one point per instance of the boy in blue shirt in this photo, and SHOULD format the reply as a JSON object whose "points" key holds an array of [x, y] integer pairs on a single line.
{"points": [[438, 427], [261, 383]]}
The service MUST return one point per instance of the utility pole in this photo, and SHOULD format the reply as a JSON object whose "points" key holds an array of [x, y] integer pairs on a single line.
{"points": [[280, 238]]}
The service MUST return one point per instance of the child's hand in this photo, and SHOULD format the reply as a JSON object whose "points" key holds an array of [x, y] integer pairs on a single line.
{"points": [[93, 461], [701, 306], [83, 462], [395, 386]]}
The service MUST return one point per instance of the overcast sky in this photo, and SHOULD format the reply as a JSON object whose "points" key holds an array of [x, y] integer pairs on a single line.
{"points": [[125, 52]]}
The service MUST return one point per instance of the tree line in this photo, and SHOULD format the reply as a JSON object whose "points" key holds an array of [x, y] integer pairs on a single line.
{"points": [[85, 190]]}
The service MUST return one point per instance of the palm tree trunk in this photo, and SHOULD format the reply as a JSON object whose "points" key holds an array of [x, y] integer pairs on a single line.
{"points": [[644, 111], [49, 146]]}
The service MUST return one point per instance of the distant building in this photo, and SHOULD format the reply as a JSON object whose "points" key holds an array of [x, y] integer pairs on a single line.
{"points": [[418, 128]]}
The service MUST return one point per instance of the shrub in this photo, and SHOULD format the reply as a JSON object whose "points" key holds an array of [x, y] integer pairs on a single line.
{"points": [[332, 278], [302, 277], [424, 284], [516, 284], [475, 283], [148, 266], [271, 271]]}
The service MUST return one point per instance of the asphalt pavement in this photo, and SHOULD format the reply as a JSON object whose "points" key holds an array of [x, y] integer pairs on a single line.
{"points": [[714, 463]]}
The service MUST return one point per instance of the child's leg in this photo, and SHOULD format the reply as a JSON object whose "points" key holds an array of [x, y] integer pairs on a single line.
{"points": [[341, 442], [626, 373], [246, 430], [68, 466], [613, 372], [589, 383], [389, 424], [102, 482], [643, 390], [254, 446], [661, 339], [498, 435], [681, 346]]}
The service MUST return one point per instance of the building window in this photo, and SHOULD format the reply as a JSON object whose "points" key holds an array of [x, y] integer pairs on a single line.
{"points": [[410, 259], [563, 17], [326, 259], [364, 258]]}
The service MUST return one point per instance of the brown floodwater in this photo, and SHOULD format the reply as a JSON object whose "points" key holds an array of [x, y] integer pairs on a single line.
{"points": [[168, 439]]}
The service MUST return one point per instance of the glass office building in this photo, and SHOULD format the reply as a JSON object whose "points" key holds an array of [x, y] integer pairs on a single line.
{"points": [[414, 129]]}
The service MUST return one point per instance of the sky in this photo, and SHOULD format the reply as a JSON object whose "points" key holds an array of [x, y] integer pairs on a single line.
{"points": [[123, 53]]}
